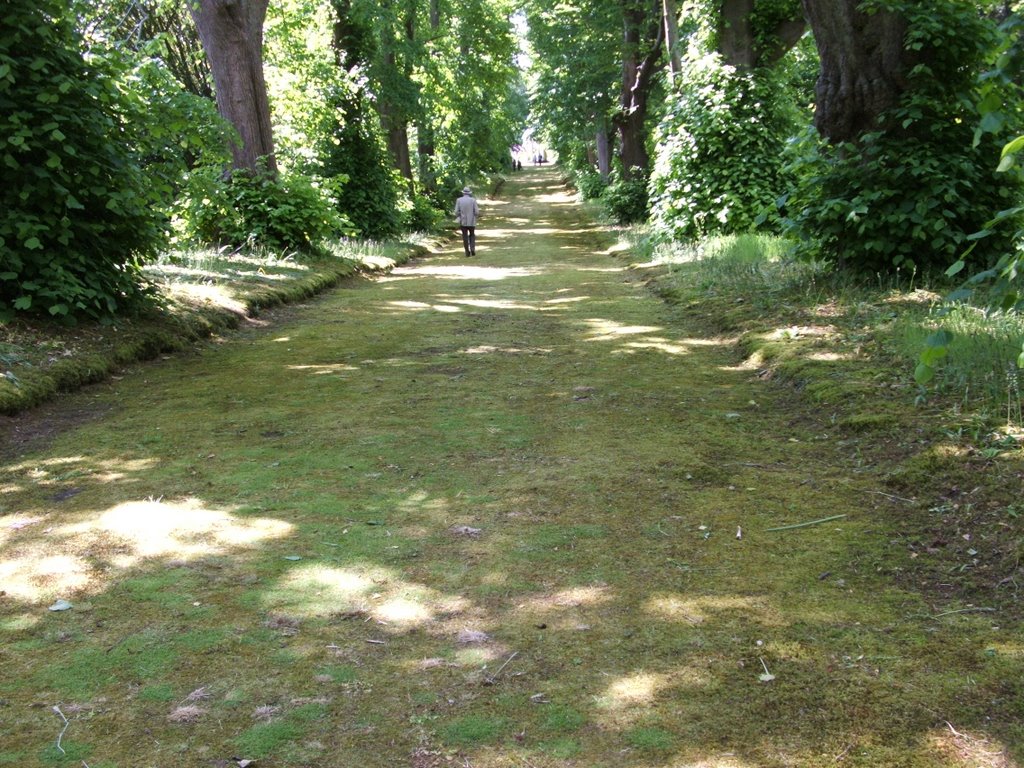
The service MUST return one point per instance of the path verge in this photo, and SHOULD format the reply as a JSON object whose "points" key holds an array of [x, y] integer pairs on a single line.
{"points": [[201, 296]]}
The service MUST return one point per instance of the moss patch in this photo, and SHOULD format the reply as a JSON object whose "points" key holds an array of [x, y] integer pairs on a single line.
{"points": [[502, 511]]}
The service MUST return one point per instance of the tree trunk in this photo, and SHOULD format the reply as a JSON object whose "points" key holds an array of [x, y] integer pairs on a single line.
{"points": [[736, 34], [232, 36], [671, 19], [738, 39], [642, 43], [604, 151], [396, 129], [863, 66]]}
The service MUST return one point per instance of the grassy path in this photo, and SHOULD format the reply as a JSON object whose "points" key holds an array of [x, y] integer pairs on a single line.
{"points": [[504, 511]]}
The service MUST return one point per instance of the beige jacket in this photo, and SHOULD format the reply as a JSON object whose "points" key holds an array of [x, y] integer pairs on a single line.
{"points": [[467, 211]]}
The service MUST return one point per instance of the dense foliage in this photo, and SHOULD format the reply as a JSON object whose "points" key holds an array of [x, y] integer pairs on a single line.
{"points": [[77, 208], [283, 212], [717, 168], [907, 195]]}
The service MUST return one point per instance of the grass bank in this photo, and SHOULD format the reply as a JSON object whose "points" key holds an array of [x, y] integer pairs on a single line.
{"points": [[199, 294], [848, 348]]}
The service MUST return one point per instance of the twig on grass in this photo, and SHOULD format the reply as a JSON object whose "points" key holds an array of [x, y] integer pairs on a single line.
{"points": [[492, 679], [804, 525], [964, 610], [890, 496], [67, 724]]}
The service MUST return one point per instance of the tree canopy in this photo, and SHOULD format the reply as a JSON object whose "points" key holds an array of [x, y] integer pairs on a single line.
{"points": [[869, 131]]}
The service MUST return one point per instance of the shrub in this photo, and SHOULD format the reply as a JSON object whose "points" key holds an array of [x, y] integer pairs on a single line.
{"points": [[355, 150], [908, 194], [78, 214], [590, 184], [626, 199], [895, 201], [717, 167], [419, 214], [287, 212]]}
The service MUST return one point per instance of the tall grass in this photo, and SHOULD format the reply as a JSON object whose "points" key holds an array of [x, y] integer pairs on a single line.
{"points": [[982, 360], [981, 367], [756, 268]]}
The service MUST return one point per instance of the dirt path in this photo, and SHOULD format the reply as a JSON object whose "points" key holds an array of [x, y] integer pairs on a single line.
{"points": [[505, 511]]}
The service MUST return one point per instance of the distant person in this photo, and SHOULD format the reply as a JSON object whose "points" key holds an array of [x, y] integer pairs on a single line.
{"points": [[467, 211]]}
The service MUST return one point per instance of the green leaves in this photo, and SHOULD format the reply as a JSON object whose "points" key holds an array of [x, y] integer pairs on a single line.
{"points": [[717, 166], [936, 348], [65, 149]]}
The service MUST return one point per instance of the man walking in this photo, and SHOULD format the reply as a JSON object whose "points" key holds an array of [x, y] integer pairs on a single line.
{"points": [[466, 213]]}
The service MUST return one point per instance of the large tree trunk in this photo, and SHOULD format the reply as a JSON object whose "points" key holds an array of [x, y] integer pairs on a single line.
{"points": [[863, 66], [643, 34], [232, 36], [745, 47]]}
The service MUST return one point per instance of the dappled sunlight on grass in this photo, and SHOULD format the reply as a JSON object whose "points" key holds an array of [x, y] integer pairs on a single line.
{"points": [[801, 332], [488, 350], [964, 749], [57, 472], [417, 306], [697, 610], [83, 557], [831, 357], [569, 598], [394, 604], [462, 272], [661, 345], [322, 370], [610, 330], [202, 293]]}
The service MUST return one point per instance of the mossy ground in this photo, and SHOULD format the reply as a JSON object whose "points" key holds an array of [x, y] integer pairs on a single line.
{"points": [[503, 511]]}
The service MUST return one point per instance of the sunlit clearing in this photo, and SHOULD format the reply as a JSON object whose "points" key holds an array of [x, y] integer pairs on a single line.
{"points": [[609, 330], [320, 370], [281, 339], [462, 272], [968, 750], [695, 610], [77, 558], [314, 590], [569, 300], [207, 294], [568, 598]]}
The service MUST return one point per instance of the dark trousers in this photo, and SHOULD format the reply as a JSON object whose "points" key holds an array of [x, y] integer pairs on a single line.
{"points": [[469, 240]]}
